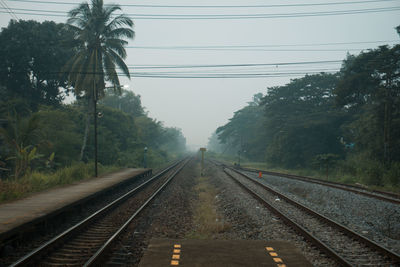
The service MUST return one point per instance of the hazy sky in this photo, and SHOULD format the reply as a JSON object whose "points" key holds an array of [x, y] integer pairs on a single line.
{"points": [[199, 105]]}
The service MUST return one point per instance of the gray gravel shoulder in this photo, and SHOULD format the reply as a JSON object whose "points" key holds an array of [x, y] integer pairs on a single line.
{"points": [[250, 220], [375, 219]]}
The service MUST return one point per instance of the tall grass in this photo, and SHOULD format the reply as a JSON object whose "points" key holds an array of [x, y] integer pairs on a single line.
{"points": [[38, 181]]}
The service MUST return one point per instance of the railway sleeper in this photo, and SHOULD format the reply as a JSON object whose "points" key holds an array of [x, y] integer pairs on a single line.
{"points": [[46, 264], [66, 259]]}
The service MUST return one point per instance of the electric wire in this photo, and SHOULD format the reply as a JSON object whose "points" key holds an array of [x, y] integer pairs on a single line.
{"points": [[220, 16], [9, 10], [205, 76], [218, 6], [236, 65], [253, 49]]}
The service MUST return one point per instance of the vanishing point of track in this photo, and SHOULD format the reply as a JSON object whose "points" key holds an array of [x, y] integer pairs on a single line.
{"points": [[87, 242]]}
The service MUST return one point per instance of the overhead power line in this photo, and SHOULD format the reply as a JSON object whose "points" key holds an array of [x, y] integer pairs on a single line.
{"points": [[9, 10], [234, 65], [245, 70], [252, 49], [217, 6], [220, 16], [207, 75], [241, 47]]}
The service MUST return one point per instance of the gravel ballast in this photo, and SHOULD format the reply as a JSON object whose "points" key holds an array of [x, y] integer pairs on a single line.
{"points": [[376, 219]]}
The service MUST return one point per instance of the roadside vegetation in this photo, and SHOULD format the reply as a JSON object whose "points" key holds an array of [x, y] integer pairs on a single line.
{"points": [[342, 126], [12, 189], [45, 141]]}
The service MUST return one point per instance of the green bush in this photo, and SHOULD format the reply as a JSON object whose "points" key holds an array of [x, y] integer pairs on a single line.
{"points": [[392, 175], [38, 181]]}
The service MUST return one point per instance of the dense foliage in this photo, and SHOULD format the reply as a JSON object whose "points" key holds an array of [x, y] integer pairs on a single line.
{"points": [[31, 57], [40, 132], [348, 120]]}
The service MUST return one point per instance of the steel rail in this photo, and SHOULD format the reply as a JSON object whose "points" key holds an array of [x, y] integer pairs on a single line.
{"points": [[298, 228], [385, 196], [43, 249], [394, 256], [95, 260]]}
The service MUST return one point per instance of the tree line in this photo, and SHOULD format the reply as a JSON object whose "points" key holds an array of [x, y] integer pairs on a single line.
{"points": [[349, 120], [43, 64]]}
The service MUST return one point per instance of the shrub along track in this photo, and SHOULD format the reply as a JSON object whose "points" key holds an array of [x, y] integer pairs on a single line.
{"points": [[345, 246], [88, 241]]}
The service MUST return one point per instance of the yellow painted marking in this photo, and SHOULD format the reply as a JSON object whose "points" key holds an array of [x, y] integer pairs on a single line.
{"points": [[177, 246], [281, 265], [269, 249], [273, 254], [174, 262], [176, 257], [277, 260], [177, 251]]}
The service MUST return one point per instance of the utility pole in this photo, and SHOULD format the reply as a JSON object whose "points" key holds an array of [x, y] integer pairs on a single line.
{"points": [[95, 122], [240, 149], [145, 157], [203, 149]]}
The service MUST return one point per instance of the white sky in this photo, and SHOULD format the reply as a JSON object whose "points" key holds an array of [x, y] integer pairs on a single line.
{"points": [[199, 106]]}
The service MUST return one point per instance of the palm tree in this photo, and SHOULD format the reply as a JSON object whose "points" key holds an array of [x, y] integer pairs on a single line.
{"points": [[99, 38]]}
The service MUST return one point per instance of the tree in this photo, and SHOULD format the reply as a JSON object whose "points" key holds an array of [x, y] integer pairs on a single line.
{"points": [[127, 102], [369, 89], [290, 125], [173, 141], [99, 51], [31, 57], [22, 137], [302, 121], [60, 127], [244, 131]]}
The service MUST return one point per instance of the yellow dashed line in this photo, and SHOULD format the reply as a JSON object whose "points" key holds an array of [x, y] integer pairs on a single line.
{"points": [[273, 254], [176, 254], [174, 262]]}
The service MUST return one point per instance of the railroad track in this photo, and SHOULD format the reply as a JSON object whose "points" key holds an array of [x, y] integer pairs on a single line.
{"points": [[377, 194], [339, 242], [89, 241]]}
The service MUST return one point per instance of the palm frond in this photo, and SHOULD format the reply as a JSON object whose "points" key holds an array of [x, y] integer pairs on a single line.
{"points": [[109, 9], [116, 47], [100, 46], [120, 20], [120, 63], [82, 11], [111, 73], [121, 33]]}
